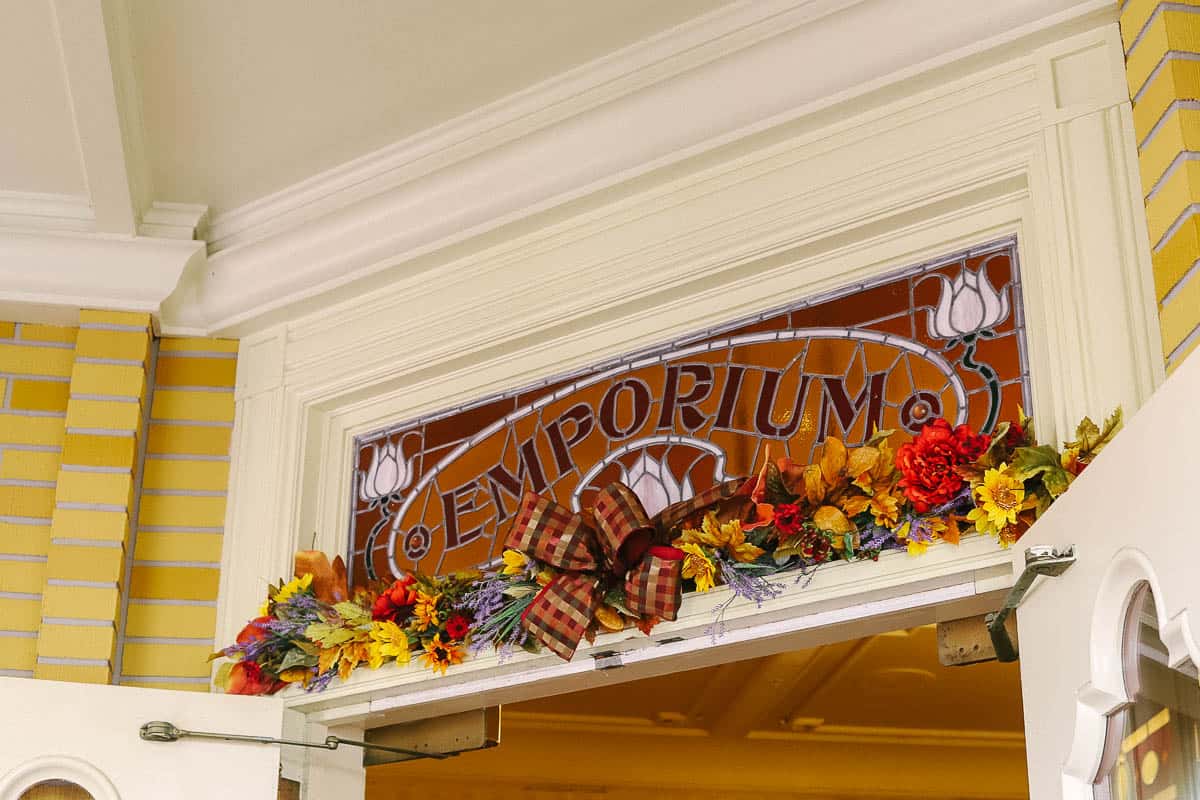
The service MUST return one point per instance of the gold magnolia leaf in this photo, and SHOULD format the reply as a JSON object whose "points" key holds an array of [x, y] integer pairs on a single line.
{"points": [[860, 460], [952, 533], [833, 460], [829, 518], [814, 484]]}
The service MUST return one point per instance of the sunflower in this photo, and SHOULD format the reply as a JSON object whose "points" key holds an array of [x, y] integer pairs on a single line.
{"points": [[425, 612], [728, 536], [698, 566], [999, 499], [388, 639], [439, 655], [515, 562], [286, 592]]}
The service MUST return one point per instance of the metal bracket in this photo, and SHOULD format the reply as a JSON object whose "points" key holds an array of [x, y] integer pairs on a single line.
{"points": [[159, 731], [1039, 560], [608, 659]]}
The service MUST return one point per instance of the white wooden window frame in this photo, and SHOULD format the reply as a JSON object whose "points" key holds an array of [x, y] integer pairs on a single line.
{"points": [[1030, 136]]}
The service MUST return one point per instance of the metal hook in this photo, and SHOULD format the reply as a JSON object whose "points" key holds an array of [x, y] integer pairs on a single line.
{"points": [[159, 731], [1039, 560]]}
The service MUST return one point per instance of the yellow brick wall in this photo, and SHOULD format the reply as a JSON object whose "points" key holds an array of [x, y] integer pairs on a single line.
{"points": [[171, 614], [99, 581], [35, 375], [1162, 58]]}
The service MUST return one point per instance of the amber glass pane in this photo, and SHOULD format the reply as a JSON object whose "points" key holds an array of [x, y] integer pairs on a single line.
{"points": [[1155, 740], [944, 338]]}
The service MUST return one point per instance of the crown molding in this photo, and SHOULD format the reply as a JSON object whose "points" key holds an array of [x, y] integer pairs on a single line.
{"points": [[688, 92], [47, 276]]}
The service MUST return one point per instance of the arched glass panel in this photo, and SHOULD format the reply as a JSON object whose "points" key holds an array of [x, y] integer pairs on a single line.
{"points": [[1153, 748], [56, 790]]}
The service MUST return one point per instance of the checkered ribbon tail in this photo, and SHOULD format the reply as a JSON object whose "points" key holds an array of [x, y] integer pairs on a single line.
{"points": [[672, 515], [654, 587], [562, 612], [553, 535]]}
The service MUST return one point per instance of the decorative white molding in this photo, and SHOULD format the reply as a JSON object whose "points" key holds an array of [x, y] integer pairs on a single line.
{"points": [[174, 221], [573, 138], [50, 212], [928, 164], [58, 767], [46, 275]]}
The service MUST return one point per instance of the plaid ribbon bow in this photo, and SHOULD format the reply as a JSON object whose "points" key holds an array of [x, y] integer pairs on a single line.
{"points": [[608, 543]]}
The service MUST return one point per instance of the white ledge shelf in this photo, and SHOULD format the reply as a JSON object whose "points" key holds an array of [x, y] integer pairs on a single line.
{"points": [[842, 600]]}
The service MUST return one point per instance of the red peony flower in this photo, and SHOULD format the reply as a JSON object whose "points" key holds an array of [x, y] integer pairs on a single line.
{"points": [[247, 677], [971, 445], [396, 602], [788, 519], [927, 462], [457, 627]]}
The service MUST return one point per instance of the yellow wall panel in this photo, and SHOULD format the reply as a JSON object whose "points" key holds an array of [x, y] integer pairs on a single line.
{"points": [[174, 583], [120, 345], [17, 652], [195, 371], [76, 641], [1175, 193], [76, 673], [108, 379], [80, 563], [19, 429], [198, 345], [48, 333], [1180, 131], [40, 395], [98, 450], [186, 511], [130, 318], [192, 406], [20, 615], [80, 602], [176, 660], [106, 488], [27, 540], [156, 546], [1178, 79], [28, 359], [28, 465], [172, 622], [26, 577], [79, 523], [1170, 30], [181, 474], [26, 501], [111, 415], [7, 330], [1179, 317], [189, 440]]}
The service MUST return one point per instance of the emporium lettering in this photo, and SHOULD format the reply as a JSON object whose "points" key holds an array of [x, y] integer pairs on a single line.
{"points": [[626, 408]]}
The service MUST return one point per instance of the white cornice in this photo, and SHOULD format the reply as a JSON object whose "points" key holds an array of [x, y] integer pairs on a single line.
{"points": [[48, 276], [724, 78]]}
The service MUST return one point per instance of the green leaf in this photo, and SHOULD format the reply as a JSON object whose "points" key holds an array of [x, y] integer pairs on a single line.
{"points": [[1032, 461], [776, 489], [991, 457], [221, 679], [353, 613], [1056, 480], [328, 635], [1043, 500], [783, 554], [296, 658], [520, 590], [1090, 439]]}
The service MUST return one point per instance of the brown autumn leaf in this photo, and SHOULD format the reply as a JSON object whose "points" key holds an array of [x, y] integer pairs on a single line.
{"points": [[833, 460], [829, 518], [952, 533]]}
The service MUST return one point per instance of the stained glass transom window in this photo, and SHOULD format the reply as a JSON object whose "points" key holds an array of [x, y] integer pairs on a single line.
{"points": [[945, 338]]}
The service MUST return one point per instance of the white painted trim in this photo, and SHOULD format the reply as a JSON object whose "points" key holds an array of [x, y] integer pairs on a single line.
{"points": [[1031, 138], [58, 767], [35, 211], [391, 216]]}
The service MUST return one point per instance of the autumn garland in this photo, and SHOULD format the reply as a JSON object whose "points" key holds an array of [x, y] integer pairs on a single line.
{"points": [[851, 504]]}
